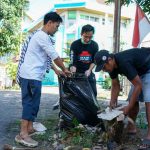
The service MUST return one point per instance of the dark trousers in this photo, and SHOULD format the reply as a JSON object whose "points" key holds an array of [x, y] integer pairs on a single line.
{"points": [[31, 95], [92, 81]]}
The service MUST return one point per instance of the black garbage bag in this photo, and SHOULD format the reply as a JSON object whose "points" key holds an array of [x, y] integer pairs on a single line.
{"points": [[73, 106], [77, 100]]}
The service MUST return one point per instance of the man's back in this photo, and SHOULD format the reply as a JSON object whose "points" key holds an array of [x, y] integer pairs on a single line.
{"points": [[132, 62]]}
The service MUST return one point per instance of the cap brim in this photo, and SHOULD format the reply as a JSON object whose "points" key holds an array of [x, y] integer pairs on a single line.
{"points": [[99, 67]]}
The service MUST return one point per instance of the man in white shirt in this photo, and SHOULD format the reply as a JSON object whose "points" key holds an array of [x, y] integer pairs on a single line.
{"points": [[32, 71]]}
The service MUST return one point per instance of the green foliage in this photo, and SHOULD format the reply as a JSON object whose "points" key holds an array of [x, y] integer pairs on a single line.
{"points": [[80, 137], [75, 122], [10, 25], [107, 83], [77, 136], [145, 4], [67, 52], [141, 121], [123, 2], [12, 69]]}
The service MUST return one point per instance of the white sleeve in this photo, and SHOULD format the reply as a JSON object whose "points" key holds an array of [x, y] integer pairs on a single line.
{"points": [[46, 44]]}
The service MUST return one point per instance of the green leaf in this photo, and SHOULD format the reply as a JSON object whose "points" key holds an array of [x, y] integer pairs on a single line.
{"points": [[10, 25]]}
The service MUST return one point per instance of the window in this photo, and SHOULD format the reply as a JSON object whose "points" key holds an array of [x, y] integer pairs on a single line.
{"points": [[63, 18], [123, 24], [71, 23], [91, 18], [86, 17], [70, 37], [82, 16], [94, 19], [71, 14], [103, 21]]}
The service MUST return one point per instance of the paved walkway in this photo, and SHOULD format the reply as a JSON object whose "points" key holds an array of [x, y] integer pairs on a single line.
{"points": [[11, 109], [10, 112]]}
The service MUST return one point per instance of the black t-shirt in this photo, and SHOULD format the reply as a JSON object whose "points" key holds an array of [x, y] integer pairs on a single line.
{"points": [[82, 55], [132, 62]]}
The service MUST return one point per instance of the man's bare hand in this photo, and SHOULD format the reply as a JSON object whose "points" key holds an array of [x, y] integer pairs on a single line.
{"points": [[126, 110], [113, 104], [87, 72], [73, 69], [59, 72], [67, 73]]}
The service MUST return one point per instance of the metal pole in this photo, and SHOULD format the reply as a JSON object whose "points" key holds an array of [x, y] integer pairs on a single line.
{"points": [[116, 33]]}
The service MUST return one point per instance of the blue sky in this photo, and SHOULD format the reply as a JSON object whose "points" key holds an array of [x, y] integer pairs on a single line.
{"points": [[39, 7]]}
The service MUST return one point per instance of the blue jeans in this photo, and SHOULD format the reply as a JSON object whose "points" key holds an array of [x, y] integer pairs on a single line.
{"points": [[145, 93], [31, 95]]}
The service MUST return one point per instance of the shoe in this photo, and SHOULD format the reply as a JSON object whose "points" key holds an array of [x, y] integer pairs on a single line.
{"points": [[27, 141], [145, 145]]}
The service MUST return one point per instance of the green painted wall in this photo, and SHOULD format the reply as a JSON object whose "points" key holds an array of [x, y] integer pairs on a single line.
{"points": [[50, 79]]}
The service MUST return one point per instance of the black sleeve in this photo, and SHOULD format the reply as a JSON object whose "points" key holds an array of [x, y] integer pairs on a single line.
{"points": [[126, 69], [95, 51], [129, 71], [73, 55]]}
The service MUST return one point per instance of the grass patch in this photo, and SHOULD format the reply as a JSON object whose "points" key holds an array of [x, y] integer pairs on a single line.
{"points": [[79, 137], [13, 127], [73, 137], [50, 124]]}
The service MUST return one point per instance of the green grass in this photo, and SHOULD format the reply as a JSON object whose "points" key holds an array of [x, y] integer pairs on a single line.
{"points": [[73, 137]]}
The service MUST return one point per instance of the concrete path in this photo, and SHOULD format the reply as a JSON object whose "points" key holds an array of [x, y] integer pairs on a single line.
{"points": [[11, 109]]}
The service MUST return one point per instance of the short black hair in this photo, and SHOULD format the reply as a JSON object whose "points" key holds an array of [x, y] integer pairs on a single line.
{"points": [[87, 28], [53, 16]]}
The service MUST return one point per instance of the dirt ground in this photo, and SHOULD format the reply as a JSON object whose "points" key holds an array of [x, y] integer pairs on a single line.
{"points": [[10, 114]]}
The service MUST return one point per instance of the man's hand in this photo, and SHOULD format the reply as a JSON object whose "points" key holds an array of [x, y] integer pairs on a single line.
{"points": [[87, 72], [73, 69], [113, 104], [59, 72], [126, 109], [67, 73]]}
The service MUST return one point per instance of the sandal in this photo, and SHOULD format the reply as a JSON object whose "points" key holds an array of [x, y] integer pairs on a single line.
{"points": [[27, 141], [145, 145]]}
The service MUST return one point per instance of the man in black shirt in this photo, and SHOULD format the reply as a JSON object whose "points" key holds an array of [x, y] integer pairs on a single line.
{"points": [[82, 52], [135, 65]]}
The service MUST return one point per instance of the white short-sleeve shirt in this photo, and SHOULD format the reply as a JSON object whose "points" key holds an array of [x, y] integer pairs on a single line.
{"points": [[35, 61]]}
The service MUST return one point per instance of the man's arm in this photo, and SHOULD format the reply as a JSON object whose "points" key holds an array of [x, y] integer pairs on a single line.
{"points": [[88, 72], [136, 91], [92, 65], [73, 59], [49, 48], [115, 89], [59, 63], [58, 72]]}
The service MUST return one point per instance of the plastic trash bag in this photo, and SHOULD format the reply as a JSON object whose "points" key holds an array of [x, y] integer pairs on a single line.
{"points": [[77, 100]]}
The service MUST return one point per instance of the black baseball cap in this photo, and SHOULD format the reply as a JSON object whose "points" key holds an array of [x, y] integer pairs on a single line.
{"points": [[101, 57]]}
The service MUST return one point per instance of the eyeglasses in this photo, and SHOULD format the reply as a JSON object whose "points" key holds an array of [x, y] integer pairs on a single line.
{"points": [[87, 37]]}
